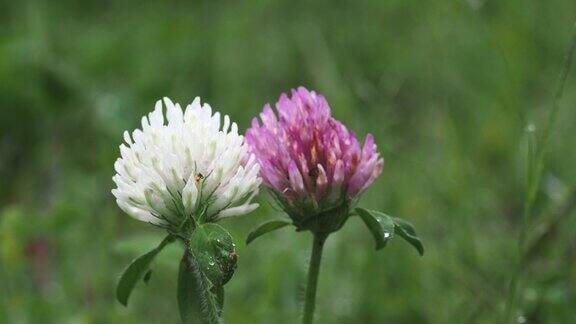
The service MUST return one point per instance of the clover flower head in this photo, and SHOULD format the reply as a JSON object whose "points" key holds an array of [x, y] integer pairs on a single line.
{"points": [[185, 164], [310, 160]]}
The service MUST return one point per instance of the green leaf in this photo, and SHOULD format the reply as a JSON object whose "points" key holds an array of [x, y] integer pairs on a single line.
{"points": [[218, 292], [213, 248], [206, 266], [380, 225], [190, 291], [147, 276], [407, 232], [383, 226], [137, 270], [265, 228]]}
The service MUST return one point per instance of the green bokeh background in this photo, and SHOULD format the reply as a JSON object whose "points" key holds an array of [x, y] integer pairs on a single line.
{"points": [[447, 87]]}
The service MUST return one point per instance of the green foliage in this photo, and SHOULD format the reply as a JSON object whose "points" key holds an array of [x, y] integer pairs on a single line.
{"points": [[207, 265], [218, 292], [380, 225], [194, 300], [383, 228], [215, 251], [407, 232], [264, 228], [138, 270], [147, 276]]}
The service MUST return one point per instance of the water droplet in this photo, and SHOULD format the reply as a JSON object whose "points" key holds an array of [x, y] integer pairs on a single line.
{"points": [[386, 235], [211, 263], [521, 319]]}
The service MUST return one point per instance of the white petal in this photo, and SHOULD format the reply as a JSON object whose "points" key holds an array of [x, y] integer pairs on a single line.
{"points": [[174, 113], [157, 117], [237, 211], [139, 214], [190, 195]]}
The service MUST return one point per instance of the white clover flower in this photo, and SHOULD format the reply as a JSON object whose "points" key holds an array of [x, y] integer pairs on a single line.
{"points": [[186, 168]]}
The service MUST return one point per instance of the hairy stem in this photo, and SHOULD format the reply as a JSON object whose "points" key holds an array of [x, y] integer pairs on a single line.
{"points": [[313, 271]]}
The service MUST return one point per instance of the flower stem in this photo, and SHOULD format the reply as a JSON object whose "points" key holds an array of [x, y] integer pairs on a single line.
{"points": [[313, 271]]}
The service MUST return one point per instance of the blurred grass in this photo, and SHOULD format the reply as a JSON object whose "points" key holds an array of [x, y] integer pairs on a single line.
{"points": [[446, 87]]}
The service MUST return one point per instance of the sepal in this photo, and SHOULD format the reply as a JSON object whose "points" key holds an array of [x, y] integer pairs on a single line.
{"points": [[308, 215]]}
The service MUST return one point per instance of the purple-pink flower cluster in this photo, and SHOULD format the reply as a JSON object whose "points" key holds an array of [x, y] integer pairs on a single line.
{"points": [[307, 156]]}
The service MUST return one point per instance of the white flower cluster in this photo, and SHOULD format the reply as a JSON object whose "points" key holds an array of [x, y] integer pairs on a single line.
{"points": [[187, 167]]}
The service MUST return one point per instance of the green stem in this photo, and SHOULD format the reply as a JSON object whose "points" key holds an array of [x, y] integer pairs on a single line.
{"points": [[313, 271]]}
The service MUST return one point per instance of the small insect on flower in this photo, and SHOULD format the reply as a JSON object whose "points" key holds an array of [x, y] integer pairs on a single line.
{"points": [[311, 161], [185, 166]]}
